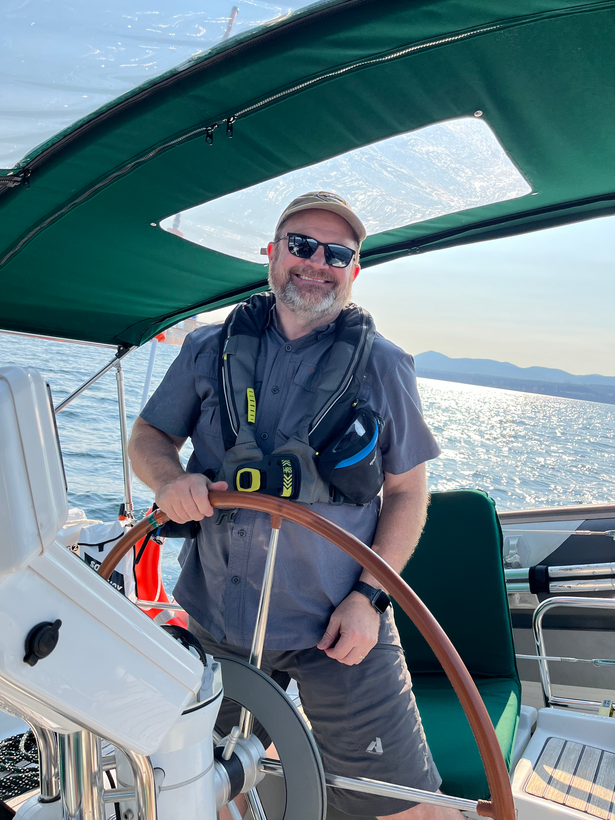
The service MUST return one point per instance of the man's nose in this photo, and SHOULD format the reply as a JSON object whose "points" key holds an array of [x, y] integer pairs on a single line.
{"points": [[318, 258]]}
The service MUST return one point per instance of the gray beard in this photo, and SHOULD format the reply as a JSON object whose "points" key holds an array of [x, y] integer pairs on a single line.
{"points": [[302, 304]]}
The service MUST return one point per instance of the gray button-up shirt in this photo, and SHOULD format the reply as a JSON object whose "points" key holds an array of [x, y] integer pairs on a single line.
{"points": [[223, 568]]}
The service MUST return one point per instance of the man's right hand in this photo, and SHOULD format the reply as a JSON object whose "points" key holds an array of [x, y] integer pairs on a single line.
{"points": [[186, 498]]}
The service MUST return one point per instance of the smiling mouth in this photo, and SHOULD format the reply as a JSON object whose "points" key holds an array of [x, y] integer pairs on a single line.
{"points": [[313, 279]]}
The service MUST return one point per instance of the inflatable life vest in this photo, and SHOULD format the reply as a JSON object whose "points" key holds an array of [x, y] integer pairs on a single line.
{"points": [[334, 455]]}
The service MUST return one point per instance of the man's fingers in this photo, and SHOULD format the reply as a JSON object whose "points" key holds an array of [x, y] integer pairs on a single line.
{"points": [[330, 636], [351, 648], [342, 648], [200, 489], [199, 502], [174, 511]]}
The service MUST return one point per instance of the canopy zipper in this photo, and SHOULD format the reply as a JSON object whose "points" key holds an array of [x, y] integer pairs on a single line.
{"points": [[208, 129]]}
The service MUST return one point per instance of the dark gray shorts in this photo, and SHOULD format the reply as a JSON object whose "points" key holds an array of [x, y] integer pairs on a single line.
{"points": [[364, 718]]}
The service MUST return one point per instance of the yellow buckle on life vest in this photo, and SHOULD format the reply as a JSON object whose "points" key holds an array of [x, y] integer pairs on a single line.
{"points": [[255, 480]]}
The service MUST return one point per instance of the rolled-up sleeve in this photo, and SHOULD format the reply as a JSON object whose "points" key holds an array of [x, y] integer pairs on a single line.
{"points": [[175, 405]]}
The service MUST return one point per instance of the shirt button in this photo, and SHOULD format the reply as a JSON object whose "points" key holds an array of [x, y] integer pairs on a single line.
{"points": [[241, 533], [264, 436], [235, 579], [288, 348], [275, 389]]}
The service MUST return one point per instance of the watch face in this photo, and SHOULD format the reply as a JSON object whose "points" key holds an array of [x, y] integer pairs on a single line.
{"points": [[381, 601]]}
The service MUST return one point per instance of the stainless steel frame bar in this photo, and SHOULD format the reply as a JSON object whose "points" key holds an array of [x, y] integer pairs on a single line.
{"points": [[582, 570], [539, 613], [159, 605], [55, 339], [571, 571], [121, 403], [579, 585], [519, 574], [258, 641], [574, 585], [522, 531], [118, 795], [145, 786], [81, 786], [47, 746], [580, 512], [377, 787], [118, 356], [594, 661], [150, 369]]}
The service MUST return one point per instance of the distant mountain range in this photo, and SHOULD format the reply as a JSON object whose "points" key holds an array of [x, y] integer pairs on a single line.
{"points": [[545, 380]]}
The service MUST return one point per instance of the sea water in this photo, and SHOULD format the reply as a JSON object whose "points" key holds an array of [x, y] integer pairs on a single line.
{"points": [[524, 449]]}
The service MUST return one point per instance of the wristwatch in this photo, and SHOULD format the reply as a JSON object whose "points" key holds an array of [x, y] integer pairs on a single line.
{"points": [[377, 597]]}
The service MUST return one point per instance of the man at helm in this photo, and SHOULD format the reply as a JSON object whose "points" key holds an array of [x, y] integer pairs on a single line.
{"points": [[329, 625]]}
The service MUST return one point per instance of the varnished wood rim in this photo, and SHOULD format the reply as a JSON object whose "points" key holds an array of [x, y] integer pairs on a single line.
{"points": [[501, 805]]}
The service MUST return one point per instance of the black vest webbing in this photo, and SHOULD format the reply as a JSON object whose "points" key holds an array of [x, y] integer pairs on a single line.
{"points": [[335, 389]]}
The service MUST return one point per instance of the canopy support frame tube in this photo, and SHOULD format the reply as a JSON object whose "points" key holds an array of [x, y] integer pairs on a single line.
{"points": [[121, 403], [122, 351]]}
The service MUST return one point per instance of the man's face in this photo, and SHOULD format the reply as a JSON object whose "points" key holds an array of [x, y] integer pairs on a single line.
{"points": [[309, 287]]}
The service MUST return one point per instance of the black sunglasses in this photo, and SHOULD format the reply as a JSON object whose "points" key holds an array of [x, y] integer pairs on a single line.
{"points": [[338, 256]]}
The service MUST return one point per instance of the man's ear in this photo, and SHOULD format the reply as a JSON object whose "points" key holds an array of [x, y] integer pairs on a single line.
{"points": [[270, 249], [355, 273]]}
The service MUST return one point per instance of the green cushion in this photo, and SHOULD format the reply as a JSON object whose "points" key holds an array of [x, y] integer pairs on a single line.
{"points": [[457, 571], [450, 738]]}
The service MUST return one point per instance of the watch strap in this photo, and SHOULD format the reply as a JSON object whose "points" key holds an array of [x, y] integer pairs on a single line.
{"points": [[377, 597]]}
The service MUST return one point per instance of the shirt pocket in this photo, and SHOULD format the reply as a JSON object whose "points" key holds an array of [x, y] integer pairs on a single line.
{"points": [[305, 377], [298, 400]]}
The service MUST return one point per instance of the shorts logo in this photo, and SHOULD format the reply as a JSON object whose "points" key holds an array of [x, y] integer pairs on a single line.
{"points": [[375, 747]]}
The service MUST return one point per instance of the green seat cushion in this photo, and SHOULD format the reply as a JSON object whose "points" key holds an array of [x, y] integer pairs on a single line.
{"points": [[457, 571], [449, 735]]}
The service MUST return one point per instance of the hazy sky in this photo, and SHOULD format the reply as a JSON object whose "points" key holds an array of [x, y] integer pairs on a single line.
{"points": [[545, 298]]}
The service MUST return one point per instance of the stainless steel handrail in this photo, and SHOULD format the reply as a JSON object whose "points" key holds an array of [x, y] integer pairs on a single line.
{"points": [[47, 746], [537, 619], [567, 578], [565, 571], [144, 783], [81, 786], [574, 585], [582, 512], [522, 531], [367, 786]]}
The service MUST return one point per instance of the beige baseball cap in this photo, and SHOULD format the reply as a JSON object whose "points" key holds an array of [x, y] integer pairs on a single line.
{"points": [[324, 201]]}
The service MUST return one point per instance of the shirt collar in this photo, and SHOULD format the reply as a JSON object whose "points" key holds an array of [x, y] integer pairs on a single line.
{"points": [[315, 335]]}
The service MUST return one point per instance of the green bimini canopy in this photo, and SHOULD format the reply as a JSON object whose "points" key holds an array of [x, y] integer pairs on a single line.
{"points": [[82, 252]]}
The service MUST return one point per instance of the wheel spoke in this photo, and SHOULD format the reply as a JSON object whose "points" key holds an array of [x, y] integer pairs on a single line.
{"points": [[255, 804], [246, 720], [233, 810]]}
